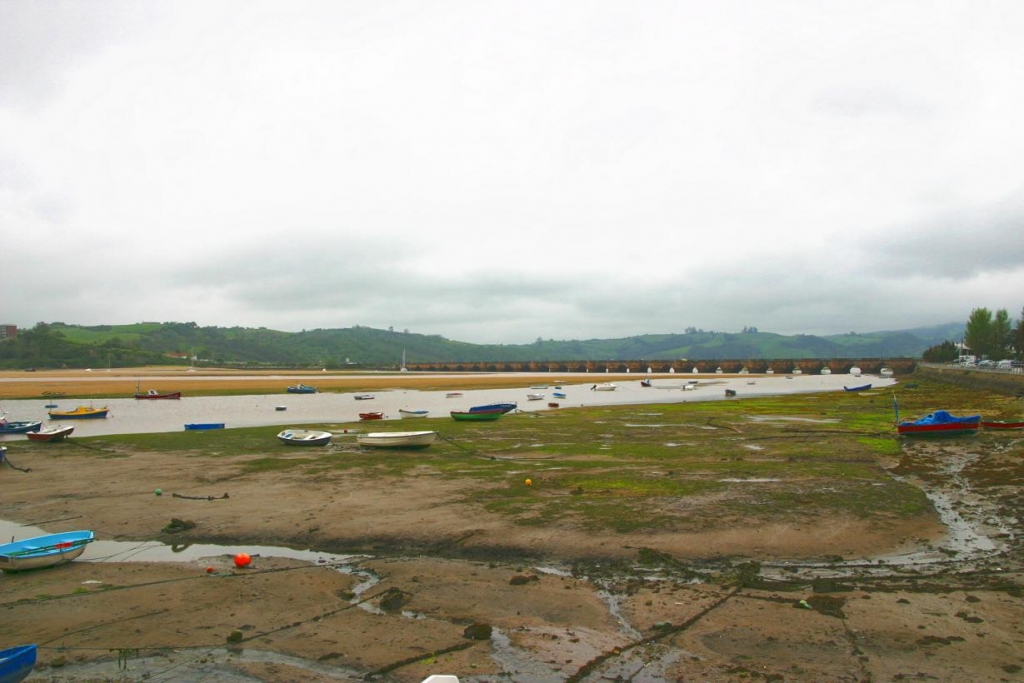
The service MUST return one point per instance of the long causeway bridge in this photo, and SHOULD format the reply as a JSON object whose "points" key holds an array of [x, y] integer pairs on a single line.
{"points": [[902, 366]]}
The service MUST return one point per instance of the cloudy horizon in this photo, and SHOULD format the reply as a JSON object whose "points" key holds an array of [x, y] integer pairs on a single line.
{"points": [[501, 172]]}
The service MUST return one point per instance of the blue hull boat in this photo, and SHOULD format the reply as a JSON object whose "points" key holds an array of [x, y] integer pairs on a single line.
{"points": [[194, 426], [19, 427], [940, 423], [16, 663], [301, 389], [491, 407]]}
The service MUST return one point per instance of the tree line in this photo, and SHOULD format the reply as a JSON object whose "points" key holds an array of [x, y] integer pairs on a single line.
{"points": [[986, 335]]}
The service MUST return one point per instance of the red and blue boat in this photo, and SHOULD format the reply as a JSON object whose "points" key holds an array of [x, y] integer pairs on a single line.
{"points": [[940, 423]]}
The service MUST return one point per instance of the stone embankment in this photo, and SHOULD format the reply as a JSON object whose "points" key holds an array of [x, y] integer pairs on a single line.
{"points": [[1011, 384]]}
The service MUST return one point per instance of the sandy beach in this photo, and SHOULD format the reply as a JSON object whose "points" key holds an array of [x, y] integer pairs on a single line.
{"points": [[413, 580]]}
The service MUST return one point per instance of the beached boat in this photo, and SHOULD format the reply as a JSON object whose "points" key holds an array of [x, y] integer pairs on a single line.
{"points": [[57, 433], [19, 427], [862, 387], [477, 415], [855, 371], [396, 439], [16, 663], [645, 383], [535, 397], [886, 372], [412, 414], [607, 386], [202, 426], [503, 407], [364, 397], [301, 389], [280, 408], [304, 437], [1001, 425], [552, 405], [43, 551], [79, 413], [558, 394], [371, 416], [729, 393], [154, 394], [940, 423], [453, 394], [826, 371]]}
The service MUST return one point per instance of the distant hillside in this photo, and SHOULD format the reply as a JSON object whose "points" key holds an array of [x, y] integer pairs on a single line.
{"points": [[61, 345]]}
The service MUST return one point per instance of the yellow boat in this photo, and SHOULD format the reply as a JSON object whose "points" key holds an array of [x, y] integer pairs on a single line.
{"points": [[79, 413]]}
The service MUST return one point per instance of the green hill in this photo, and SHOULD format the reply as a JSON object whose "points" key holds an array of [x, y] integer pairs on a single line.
{"points": [[57, 344]]}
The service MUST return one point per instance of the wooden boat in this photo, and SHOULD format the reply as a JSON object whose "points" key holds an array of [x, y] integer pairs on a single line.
{"points": [[21, 427], [940, 423], [304, 437], [477, 415], [1002, 425], [862, 387], [364, 397], [154, 394], [396, 439], [57, 433], [202, 426], [79, 413], [301, 389], [503, 407], [607, 386], [412, 414], [16, 663], [552, 405], [371, 416], [535, 397], [43, 551]]}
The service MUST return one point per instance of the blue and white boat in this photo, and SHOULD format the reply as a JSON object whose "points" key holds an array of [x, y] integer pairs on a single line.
{"points": [[43, 551], [193, 426], [490, 407]]}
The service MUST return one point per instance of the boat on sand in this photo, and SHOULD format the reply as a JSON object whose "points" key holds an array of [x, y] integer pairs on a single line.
{"points": [[396, 439], [43, 551], [304, 437], [58, 433]]}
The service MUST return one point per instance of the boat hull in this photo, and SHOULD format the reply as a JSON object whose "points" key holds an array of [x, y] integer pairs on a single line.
{"points": [[55, 434], [490, 407], [173, 396], [79, 413], [863, 387], [202, 426], [43, 551], [301, 389], [304, 437], [1000, 425], [20, 427], [396, 439], [371, 416], [412, 414], [478, 415], [16, 663], [940, 423]]}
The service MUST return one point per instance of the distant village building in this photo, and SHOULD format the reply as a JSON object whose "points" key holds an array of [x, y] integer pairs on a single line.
{"points": [[8, 332]]}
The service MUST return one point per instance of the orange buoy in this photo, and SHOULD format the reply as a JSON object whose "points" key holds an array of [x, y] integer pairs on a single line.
{"points": [[529, 482], [242, 560]]}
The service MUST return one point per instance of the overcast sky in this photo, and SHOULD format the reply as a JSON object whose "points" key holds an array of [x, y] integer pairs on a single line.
{"points": [[500, 171]]}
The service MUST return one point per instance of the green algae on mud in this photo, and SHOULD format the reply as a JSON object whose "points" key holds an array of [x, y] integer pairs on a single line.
{"points": [[626, 468]]}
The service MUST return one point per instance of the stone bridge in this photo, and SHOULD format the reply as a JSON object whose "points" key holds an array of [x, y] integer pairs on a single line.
{"points": [[901, 366]]}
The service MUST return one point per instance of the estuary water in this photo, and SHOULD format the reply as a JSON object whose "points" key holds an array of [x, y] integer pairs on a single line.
{"points": [[132, 416]]}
